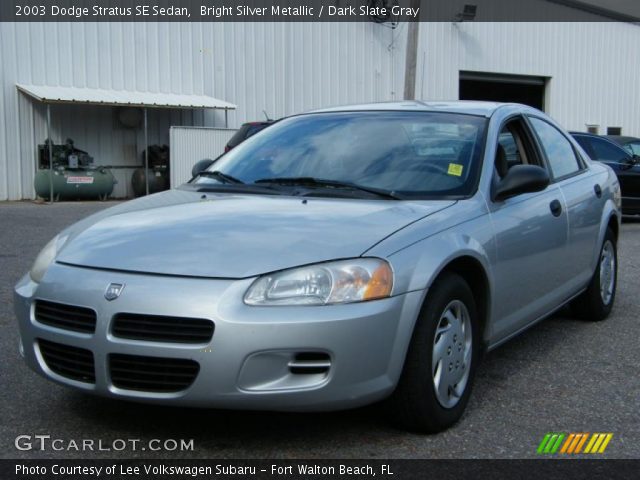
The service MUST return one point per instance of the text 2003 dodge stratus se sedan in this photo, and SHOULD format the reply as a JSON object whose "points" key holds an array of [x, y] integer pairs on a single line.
{"points": [[334, 259]]}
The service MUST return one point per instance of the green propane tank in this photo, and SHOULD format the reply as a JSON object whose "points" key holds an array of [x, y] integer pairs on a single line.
{"points": [[75, 184], [158, 181]]}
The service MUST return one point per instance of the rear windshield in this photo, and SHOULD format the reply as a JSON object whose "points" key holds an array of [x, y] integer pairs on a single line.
{"points": [[602, 150], [244, 132], [423, 154]]}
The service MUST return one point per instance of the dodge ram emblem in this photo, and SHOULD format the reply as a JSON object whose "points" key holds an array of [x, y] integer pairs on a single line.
{"points": [[113, 291]]}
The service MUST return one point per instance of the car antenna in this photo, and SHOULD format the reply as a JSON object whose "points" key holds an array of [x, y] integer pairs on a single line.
{"points": [[266, 115]]}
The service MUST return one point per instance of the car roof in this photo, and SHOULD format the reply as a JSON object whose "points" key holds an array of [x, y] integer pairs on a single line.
{"points": [[622, 139], [594, 135], [258, 122], [469, 107], [605, 138], [588, 134]]}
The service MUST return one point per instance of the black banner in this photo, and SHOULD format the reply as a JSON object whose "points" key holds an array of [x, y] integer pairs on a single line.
{"points": [[320, 469], [380, 11]]}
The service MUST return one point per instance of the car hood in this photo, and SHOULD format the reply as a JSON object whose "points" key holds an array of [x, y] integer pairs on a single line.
{"points": [[233, 236]]}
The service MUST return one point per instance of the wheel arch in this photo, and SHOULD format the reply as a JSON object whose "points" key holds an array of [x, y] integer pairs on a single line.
{"points": [[474, 273], [611, 218], [419, 266]]}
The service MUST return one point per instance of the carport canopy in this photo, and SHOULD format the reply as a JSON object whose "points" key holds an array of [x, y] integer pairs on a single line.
{"points": [[125, 98], [100, 96]]}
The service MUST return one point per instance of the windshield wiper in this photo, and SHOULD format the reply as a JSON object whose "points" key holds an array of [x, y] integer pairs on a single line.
{"points": [[217, 174], [320, 183]]}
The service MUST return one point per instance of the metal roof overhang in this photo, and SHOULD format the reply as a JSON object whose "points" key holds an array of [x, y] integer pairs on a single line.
{"points": [[99, 96], [124, 98]]}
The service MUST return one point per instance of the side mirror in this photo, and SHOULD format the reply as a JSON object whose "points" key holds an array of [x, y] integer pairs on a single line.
{"points": [[201, 166], [629, 162], [521, 179]]}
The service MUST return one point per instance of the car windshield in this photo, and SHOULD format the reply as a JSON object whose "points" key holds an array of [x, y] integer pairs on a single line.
{"points": [[411, 154], [633, 148]]}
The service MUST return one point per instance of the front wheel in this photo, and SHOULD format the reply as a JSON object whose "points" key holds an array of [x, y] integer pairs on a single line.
{"points": [[435, 384], [596, 302]]}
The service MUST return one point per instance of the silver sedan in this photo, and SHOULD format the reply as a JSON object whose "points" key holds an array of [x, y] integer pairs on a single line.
{"points": [[335, 259]]}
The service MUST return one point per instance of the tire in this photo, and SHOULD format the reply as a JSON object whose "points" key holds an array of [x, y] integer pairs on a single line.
{"points": [[416, 404], [594, 304]]}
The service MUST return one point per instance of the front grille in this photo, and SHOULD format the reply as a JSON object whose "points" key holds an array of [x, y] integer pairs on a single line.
{"points": [[162, 329], [67, 317], [152, 374], [70, 362]]}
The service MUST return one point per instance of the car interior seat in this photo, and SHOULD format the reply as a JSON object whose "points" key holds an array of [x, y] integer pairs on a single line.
{"points": [[502, 164]]}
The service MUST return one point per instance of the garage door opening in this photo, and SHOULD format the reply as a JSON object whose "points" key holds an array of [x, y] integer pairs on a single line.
{"points": [[528, 90]]}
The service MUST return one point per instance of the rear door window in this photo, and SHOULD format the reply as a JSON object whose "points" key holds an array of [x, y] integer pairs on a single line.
{"points": [[557, 148]]}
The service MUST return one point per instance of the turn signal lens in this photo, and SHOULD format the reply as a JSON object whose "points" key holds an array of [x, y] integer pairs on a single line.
{"points": [[380, 284]]}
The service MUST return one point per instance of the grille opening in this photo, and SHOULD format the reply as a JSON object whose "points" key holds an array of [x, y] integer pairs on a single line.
{"points": [[69, 362], [162, 329], [66, 317], [152, 374], [310, 363]]}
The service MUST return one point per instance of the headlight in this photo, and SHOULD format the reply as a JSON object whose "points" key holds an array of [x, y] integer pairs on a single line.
{"points": [[46, 256], [344, 281]]}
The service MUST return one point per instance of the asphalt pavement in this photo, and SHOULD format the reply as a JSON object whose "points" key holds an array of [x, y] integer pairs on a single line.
{"points": [[563, 375]]}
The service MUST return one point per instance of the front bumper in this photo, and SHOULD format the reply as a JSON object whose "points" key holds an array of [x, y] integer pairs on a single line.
{"points": [[246, 365]]}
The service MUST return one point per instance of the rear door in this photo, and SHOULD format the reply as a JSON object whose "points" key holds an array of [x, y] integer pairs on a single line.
{"points": [[582, 193]]}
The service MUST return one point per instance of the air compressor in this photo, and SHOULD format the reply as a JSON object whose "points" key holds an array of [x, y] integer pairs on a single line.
{"points": [[73, 176]]}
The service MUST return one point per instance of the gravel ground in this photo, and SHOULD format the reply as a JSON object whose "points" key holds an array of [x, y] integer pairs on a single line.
{"points": [[562, 375]]}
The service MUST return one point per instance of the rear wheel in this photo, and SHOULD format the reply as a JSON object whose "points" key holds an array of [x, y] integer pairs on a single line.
{"points": [[435, 385], [596, 302]]}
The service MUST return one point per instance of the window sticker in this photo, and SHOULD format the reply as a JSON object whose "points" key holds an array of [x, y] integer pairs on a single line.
{"points": [[455, 169]]}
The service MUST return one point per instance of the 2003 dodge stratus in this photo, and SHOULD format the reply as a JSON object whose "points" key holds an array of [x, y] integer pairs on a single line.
{"points": [[336, 258]]}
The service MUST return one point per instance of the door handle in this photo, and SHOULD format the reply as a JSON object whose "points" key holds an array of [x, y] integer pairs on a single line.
{"points": [[556, 208], [598, 190]]}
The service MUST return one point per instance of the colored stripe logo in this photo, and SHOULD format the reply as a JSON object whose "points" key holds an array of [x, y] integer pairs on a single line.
{"points": [[573, 443]]}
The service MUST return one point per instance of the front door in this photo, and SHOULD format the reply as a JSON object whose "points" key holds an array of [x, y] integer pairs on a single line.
{"points": [[531, 240]]}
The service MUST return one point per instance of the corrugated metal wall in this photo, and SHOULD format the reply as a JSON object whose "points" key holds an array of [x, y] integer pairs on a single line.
{"points": [[191, 144], [285, 68], [282, 68], [593, 68]]}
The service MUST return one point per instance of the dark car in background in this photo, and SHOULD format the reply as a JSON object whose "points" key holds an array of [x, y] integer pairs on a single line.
{"points": [[245, 131], [625, 164], [630, 144]]}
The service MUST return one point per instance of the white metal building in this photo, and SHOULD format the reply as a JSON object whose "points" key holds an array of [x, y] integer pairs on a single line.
{"points": [[581, 73]]}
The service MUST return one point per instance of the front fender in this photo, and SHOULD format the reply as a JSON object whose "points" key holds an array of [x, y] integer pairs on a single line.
{"points": [[421, 263], [418, 265]]}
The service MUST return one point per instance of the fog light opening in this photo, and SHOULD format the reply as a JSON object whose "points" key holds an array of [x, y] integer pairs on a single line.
{"points": [[310, 363]]}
